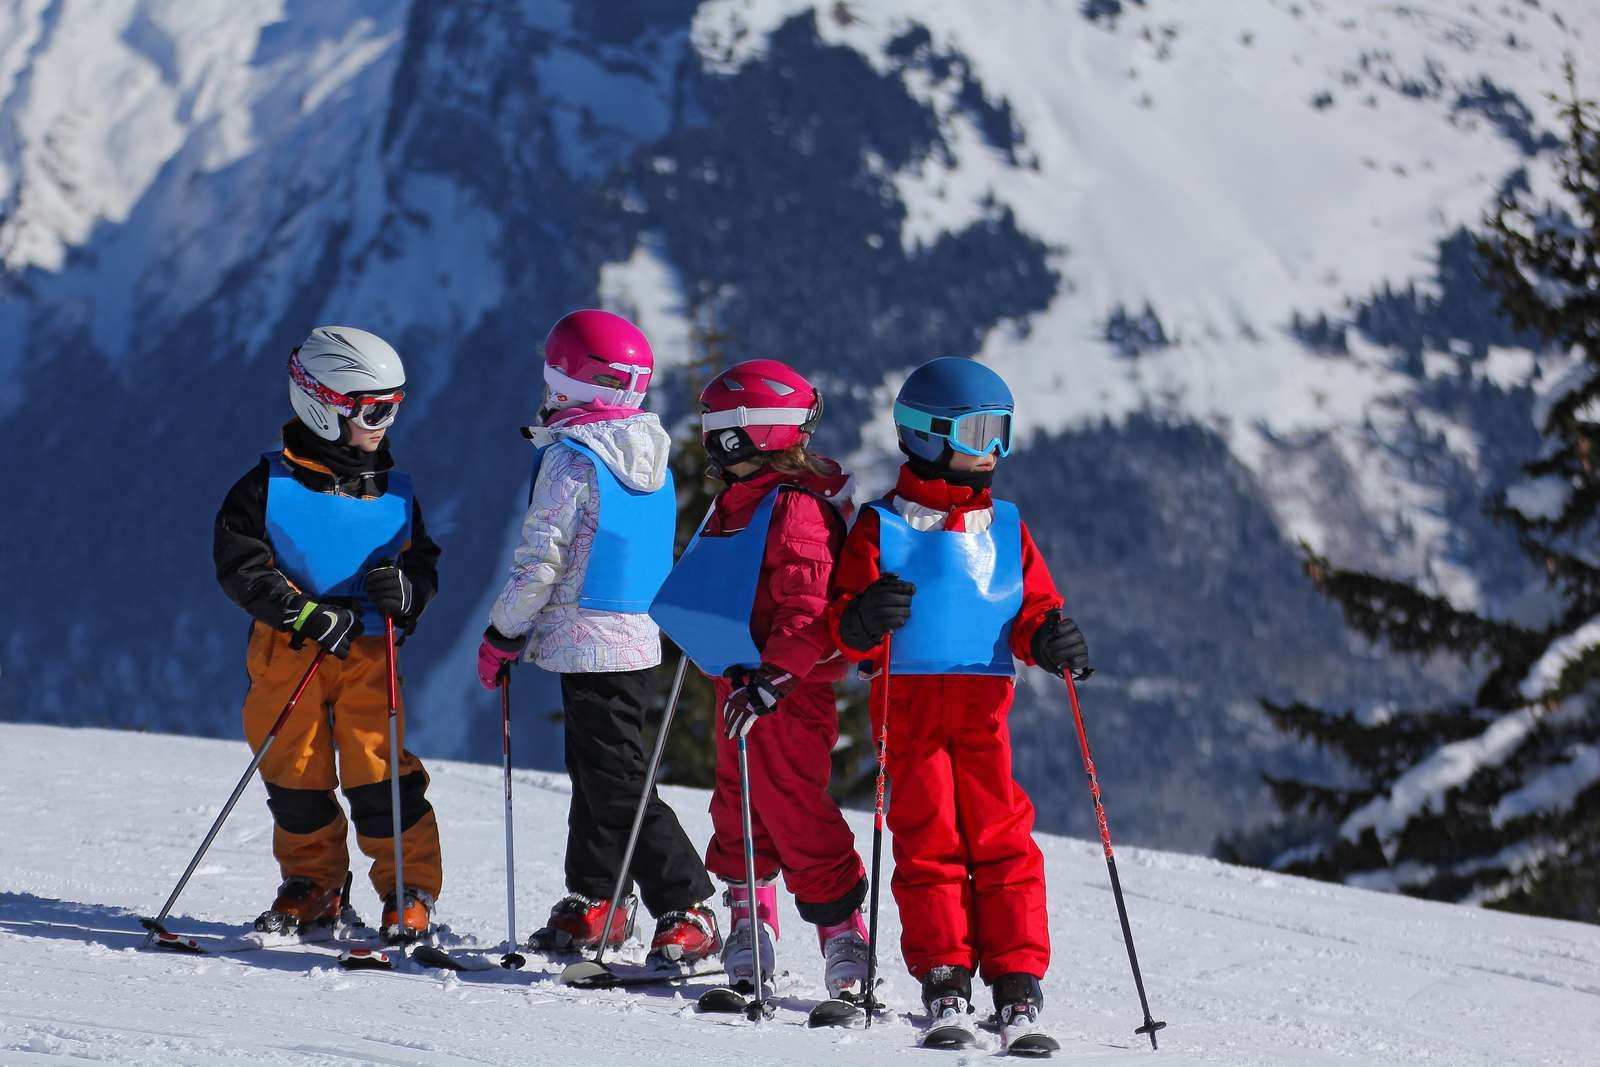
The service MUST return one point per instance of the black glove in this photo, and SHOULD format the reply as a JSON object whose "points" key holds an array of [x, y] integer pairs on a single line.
{"points": [[390, 591], [883, 606], [755, 693], [330, 626], [1059, 645]]}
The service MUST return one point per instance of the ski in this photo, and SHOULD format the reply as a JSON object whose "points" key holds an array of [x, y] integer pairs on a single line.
{"points": [[722, 1000], [366, 959], [950, 1033], [735, 1000], [255, 941], [588, 975], [836, 1013], [1034, 1042], [433, 956], [847, 1009], [423, 953]]}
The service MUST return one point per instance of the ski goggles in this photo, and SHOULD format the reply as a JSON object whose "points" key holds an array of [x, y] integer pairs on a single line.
{"points": [[370, 411], [977, 433]]}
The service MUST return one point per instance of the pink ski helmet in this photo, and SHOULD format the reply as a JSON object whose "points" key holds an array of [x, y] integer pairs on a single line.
{"points": [[593, 355], [758, 406]]}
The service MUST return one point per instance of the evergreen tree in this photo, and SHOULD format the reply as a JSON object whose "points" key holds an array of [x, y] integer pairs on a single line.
{"points": [[1496, 800], [690, 756]]}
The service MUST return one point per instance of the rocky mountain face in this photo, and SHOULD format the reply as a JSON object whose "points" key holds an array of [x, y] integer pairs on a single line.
{"points": [[1221, 257]]}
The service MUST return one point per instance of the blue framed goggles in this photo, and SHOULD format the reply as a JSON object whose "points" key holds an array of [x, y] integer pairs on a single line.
{"points": [[977, 433]]}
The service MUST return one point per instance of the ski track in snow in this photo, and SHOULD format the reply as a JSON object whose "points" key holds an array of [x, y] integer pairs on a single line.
{"points": [[1247, 967]]}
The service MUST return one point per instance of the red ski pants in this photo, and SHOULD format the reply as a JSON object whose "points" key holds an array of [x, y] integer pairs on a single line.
{"points": [[797, 826], [968, 878]]}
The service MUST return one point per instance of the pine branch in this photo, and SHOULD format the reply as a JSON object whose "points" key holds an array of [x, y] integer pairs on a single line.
{"points": [[1403, 617]]}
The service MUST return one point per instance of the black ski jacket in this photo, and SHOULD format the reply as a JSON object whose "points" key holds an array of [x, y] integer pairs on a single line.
{"points": [[243, 555]]}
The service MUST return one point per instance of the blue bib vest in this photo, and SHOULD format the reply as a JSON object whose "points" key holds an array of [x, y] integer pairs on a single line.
{"points": [[705, 603], [969, 590], [632, 550], [326, 542]]}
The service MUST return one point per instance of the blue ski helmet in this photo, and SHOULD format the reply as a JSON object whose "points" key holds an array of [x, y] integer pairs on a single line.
{"points": [[956, 404]]}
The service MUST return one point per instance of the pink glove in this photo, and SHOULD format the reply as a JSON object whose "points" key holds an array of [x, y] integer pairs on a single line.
{"points": [[496, 653]]}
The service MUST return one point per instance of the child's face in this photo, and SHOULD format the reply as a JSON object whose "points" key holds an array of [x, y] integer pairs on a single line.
{"points": [[960, 461], [366, 440]]}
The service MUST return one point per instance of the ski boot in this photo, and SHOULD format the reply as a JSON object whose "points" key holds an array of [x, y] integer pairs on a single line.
{"points": [[301, 907], [577, 922], [947, 994], [1017, 1003], [413, 923], [685, 937], [844, 957], [738, 958]]}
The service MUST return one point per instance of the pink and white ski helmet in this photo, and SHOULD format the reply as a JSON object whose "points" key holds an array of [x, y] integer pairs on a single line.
{"points": [[758, 406], [593, 355]]}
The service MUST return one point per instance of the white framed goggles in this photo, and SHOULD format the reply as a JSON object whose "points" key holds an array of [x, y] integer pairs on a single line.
{"points": [[977, 433], [370, 411]]}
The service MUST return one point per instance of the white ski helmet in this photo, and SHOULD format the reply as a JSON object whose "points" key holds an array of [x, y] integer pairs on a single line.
{"points": [[341, 373]]}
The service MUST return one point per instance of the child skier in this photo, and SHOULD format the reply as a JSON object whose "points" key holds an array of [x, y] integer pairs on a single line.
{"points": [[596, 543], [322, 540], [953, 574], [747, 602]]}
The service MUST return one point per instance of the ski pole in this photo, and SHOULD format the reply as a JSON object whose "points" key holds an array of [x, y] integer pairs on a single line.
{"points": [[394, 781], [590, 970], [756, 1009], [513, 959], [154, 925], [1150, 1025], [877, 841]]}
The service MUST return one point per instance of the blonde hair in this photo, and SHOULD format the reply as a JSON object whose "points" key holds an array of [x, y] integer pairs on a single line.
{"points": [[799, 459]]}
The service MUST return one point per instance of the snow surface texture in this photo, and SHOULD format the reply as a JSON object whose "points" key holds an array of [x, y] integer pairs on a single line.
{"points": [[1248, 968]]}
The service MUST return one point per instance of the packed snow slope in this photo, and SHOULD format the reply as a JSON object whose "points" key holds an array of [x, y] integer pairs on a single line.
{"points": [[1248, 968], [1219, 249]]}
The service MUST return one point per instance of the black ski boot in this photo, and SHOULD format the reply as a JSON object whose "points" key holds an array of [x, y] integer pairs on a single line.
{"points": [[1018, 1000], [947, 994]]}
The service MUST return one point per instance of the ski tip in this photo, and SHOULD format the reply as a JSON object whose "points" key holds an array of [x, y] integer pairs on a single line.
{"points": [[721, 1000], [587, 974], [836, 1013], [1034, 1046]]}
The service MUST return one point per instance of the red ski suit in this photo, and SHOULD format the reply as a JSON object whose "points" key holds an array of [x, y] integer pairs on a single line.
{"points": [[797, 826], [968, 878]]}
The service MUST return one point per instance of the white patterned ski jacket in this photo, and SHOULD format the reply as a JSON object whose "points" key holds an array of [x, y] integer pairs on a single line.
{"points": [[552, 556]]}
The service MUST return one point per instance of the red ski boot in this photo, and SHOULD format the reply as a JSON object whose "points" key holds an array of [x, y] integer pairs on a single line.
{"points": [[576, 922], [685, 937]]}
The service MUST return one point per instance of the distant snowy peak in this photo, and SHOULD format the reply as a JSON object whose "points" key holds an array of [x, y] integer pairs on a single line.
{"points": [[1256, 212], [97, 100]]}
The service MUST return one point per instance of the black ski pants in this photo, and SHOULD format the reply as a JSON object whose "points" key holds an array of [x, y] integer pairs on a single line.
{"points": [[604, 713]]}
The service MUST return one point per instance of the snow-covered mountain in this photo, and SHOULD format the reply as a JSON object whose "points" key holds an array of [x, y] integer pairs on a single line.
{"points": [[1248, 969], [1219, 252]]}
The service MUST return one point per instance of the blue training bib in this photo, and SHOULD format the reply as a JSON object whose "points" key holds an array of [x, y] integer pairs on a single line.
{"points": [[969, 590], [632, 551], [326, 542], [705, 603]]}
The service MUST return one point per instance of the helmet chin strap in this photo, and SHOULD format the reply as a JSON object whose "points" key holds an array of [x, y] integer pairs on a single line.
{"points": [[941, 470]]}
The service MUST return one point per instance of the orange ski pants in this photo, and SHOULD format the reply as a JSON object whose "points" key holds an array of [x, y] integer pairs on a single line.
{"points": [[345, 711]]}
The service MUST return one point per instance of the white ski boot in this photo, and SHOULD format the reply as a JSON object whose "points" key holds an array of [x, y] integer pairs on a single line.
{"points": [[844, 957], [737, 951]]}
